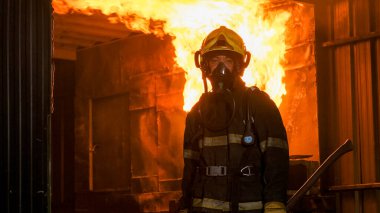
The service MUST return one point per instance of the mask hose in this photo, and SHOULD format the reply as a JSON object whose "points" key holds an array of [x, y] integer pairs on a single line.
{"points": [[249, 137]]}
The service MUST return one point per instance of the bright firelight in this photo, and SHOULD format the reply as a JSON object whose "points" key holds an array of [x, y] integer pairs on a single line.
{"points": [[189, 22]]}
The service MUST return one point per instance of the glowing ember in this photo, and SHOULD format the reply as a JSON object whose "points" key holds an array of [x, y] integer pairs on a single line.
{"points": [[189, 21]]}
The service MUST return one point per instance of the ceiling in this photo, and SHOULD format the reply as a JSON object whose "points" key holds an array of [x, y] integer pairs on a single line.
{"points": [[74, 32]]}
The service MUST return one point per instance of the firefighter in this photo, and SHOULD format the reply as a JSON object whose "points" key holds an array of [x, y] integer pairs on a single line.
{"points": [[235, 145]]}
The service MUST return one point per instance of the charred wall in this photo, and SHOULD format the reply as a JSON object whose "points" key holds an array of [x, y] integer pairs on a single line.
{"points": [[129, 125]]}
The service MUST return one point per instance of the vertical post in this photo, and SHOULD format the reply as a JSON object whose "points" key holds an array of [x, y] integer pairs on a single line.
{"points": [[25, 109]]}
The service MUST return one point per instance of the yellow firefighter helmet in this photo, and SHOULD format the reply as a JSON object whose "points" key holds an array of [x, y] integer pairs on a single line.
{"points": [[223, 41]]}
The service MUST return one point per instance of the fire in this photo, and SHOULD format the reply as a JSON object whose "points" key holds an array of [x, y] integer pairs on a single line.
{"points": [[189, 21]]}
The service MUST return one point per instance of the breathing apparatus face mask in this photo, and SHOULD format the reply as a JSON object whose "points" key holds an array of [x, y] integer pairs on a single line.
{"points": [[221, 78]]}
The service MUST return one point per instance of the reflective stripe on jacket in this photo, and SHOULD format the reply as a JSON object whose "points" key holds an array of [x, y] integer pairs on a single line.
{"points": [[208, 203]]}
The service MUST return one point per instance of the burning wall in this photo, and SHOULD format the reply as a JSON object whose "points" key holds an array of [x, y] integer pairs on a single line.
{"points": [[299, 107]]}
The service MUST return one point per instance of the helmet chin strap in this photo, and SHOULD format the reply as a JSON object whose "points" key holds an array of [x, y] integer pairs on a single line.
{"points": [[221, 78]]}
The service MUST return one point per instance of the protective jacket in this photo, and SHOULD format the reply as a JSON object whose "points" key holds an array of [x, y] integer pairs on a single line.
{"points": [[220, 173]]}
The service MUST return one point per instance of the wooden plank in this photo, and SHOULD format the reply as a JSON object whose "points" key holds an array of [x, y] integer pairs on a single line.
{"points": [[365, 122], [92, 31], [73, 42], [96, 20], [341, 24], [68, 47], [354, 187], [92, 28], [111, 143], [376, 27], [364, 110], [370, 198], [377, 124], [325, 85], [351, 40], [375, 15], [342, 97], [88, 24], [343, 66], [306, 1], [361, 20], [74, 35], [377, 94]]}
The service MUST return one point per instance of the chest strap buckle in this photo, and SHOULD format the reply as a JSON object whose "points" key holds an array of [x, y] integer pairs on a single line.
{"points": [[216, 170]]}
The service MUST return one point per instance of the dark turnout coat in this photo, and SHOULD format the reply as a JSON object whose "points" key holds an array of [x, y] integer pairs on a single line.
{"points": [[222, 174]]}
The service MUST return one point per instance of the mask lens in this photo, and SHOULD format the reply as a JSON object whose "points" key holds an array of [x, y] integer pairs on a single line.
{"points": [[220, 70]]}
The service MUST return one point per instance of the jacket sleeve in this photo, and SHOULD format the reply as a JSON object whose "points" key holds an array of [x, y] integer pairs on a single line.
{"points": [[274, 148], [191, 156]]}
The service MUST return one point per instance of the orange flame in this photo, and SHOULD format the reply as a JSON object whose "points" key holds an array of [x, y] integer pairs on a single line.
{"points": [[189, 21]]}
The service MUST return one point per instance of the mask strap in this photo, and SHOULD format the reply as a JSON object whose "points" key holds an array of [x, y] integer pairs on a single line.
{"points": [[204, 82]]}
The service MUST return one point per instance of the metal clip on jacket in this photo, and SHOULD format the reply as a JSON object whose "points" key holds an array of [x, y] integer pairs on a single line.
{"points": [[247, 171]]}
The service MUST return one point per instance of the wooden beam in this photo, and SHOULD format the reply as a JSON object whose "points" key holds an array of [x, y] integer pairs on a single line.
{"points": [[91, 31], [350, 40], [74, 42], [89, 21], [305, 1], [356, 187], [80, 36], [67, 54]]}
